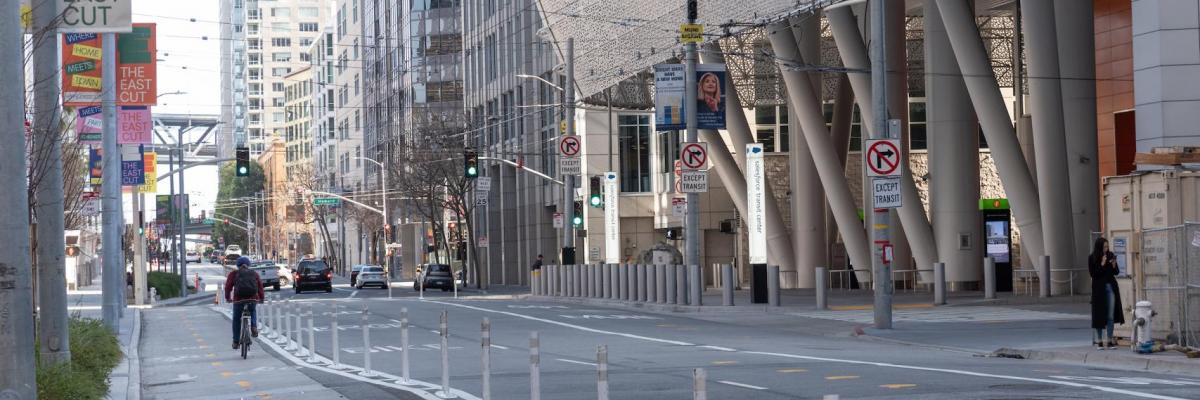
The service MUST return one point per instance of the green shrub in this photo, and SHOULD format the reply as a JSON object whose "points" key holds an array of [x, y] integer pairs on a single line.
{"points": [[94, 353], [166, 283]]}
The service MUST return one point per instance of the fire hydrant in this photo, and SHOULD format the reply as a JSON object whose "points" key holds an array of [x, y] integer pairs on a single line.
{"points": [[1143, 315]]}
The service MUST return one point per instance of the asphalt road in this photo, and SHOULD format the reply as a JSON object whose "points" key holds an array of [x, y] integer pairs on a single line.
{"points": [[652, 355]]}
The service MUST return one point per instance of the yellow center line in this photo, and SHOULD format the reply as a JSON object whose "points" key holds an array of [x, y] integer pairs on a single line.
{"points": [[210, 355], [226, 374], [841, 377], [216, 363], [724, 362], [244, 384], [791, 370], [898, 386], [264, 396]]}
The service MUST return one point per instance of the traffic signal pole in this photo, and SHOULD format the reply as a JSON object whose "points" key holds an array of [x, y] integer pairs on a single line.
{"points": [[881, 218], [182, 249]]}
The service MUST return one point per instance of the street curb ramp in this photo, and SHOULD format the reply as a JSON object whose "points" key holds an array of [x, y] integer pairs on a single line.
{"points": [[1110, 359]]}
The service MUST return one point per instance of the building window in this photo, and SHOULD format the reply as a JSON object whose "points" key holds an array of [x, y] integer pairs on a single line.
{"points": [[634, 143], [252, 29], [277, 86], [254, 44], [281, 56], [916, 125], [305, 57], [281, 42], [280, 71], [306, 42], [310, 12], [281, 12], [309, 27]]}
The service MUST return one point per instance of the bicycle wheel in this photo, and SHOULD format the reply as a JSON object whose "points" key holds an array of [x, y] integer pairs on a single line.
{"points": [[245, 338]]}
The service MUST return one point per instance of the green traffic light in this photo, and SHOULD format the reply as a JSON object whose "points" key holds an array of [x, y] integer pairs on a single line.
{"points": [[577, 221], [471, 171], [595, 201], [242, 170]]}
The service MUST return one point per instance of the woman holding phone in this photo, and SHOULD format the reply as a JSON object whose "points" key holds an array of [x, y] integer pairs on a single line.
{"points": [[1106, 299]]}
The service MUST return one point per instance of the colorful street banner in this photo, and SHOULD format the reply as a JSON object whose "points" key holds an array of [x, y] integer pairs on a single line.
{"points": [[81, 58], [95, 165], [137, 74], [133, 172], [133, 125], [89, 125], [670, 93], [150, 162]]}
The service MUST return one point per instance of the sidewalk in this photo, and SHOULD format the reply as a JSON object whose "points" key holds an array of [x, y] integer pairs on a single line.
{"points": [[1056, 329], [186, 354]]}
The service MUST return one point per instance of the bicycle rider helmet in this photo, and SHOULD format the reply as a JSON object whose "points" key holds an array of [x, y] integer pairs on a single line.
{"points": [[243, 260]]}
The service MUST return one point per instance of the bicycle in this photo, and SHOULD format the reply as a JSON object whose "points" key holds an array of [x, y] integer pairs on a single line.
{"points": [[244, 340]]}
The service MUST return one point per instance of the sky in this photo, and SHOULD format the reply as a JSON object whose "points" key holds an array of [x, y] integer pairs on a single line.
{"points": [[190, 64]]}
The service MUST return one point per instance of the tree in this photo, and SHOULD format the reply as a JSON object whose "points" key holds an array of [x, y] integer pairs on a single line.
{"points": [[230, 188]]}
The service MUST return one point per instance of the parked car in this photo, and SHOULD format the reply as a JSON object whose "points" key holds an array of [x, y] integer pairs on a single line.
{"points": [[192, 257], [371, 275], [312, 274], [268, 273], [432, 276]]}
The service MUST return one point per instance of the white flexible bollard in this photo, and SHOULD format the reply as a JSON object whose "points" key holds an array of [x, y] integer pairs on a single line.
{"points": [[287, 323], [485, 333], [602, 372], [699, 381], [404, 344], [444, 332], [366, 328], [535, 367], [312, 337], [333, 331]]}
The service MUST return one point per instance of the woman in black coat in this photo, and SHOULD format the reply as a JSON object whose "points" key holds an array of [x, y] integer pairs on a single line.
{"points": [[1106, 298]]}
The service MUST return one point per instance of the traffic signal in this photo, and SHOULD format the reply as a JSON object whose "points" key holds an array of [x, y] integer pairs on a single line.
{"points": [[596, 200], [243, 161], [577, 217], [470, 164]]}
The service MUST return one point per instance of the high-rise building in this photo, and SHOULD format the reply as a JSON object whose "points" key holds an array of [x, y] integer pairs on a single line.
{"points": [[298, 142], [266, 41]]}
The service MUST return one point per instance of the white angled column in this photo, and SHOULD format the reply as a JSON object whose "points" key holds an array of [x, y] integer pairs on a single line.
{"points": [[808, 197], [1077, 63], [953, 137], [1046, 105]]}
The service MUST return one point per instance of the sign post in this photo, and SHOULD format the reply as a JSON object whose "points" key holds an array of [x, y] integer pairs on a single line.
{"points": [[612, 219]]}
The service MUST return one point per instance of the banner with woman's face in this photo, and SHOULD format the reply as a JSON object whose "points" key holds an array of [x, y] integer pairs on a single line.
{"points": [[670, 108]]}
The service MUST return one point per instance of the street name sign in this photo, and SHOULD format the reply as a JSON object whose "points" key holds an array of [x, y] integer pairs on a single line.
{"points": [[886, 192], [326, 201], [756, 217], [883, 158], [694, 182]]}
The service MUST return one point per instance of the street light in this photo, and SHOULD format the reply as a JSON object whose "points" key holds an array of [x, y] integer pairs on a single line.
{"points": [[386, 222], [556, 87]]}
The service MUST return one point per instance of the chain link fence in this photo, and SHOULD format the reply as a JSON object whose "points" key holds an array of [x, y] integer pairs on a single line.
{"points": [[1169, 277]]}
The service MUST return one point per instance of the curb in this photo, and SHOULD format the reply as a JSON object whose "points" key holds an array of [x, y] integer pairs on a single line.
{"points": [[1108, 360], [178, 301], [134, 389], [673, 308]]}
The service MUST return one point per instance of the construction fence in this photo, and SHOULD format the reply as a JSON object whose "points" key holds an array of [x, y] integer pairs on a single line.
{"points": [[1167, 274]]}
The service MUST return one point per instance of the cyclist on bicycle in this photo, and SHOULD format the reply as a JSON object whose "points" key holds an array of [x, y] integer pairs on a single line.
{"points": [[243, 284]]}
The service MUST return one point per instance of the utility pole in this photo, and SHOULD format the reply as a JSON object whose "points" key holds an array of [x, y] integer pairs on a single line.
{"points": [[569, 180], [691, 223], [171, 200], [183, 217], [47, 138], [110, 197], [880, 217], [17, 365]]}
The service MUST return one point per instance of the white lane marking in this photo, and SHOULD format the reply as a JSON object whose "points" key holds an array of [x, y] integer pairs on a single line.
{"points": [[575, 362], [969, 373], [719, 348], [564, 324], [424, 390], [499, 347], [742, 385], [352, 294]]}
